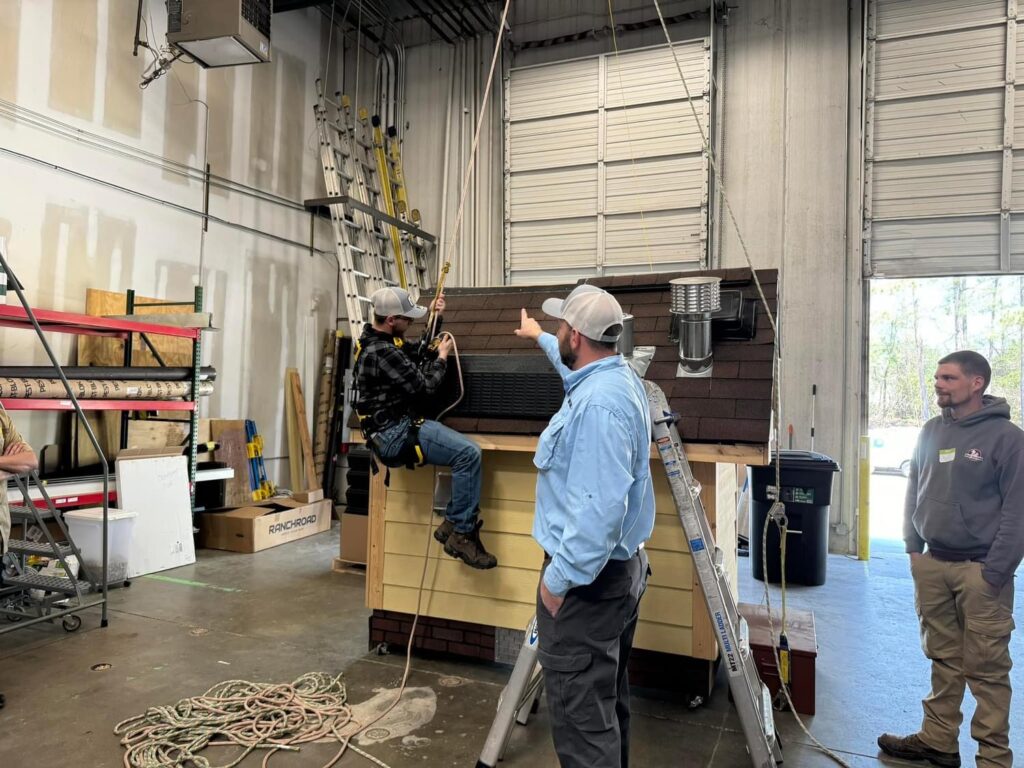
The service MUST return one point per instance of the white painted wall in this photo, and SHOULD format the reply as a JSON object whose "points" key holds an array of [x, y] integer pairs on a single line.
{"points": [[70, 63]]}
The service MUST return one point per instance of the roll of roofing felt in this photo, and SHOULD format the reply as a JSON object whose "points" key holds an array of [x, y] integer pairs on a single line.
{"points": [[92, 389], [102, 373]]}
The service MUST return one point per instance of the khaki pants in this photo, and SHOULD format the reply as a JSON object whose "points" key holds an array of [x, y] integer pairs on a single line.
{"points": [[965, 632]]}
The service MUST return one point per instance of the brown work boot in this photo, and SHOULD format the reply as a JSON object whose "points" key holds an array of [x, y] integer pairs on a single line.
{"points": [[468, 548], [912, 748], [444, 530]]}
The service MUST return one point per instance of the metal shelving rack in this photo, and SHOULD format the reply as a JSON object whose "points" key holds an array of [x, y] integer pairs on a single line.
{"points": [[48, 321]]}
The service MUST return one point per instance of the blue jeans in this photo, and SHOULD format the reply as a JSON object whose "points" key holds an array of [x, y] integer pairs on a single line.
{"points": [[443, 447]]}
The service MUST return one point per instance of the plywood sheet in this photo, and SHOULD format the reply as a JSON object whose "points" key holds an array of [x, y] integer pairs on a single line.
{"points": [[93, 350], [154, 433], [232, 449]]}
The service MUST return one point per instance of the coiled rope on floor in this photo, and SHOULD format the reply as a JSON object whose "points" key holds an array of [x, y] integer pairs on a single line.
{"points": [[264, 716]]}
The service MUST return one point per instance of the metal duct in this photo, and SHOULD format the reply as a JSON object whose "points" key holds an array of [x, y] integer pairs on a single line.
{"points": [[624, 346], [694, 300]]}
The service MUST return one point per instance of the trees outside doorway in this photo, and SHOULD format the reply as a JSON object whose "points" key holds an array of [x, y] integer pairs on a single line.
{"points": [[915, 322]]}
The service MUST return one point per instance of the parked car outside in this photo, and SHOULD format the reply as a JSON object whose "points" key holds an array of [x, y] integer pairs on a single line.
{"points": [[892, 448]]}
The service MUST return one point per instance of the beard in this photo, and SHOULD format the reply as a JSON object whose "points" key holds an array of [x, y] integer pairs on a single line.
{"points": [[567, 355]]}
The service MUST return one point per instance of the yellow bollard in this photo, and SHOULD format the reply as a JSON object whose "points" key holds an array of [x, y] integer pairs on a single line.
{"points": [[864, 503]]}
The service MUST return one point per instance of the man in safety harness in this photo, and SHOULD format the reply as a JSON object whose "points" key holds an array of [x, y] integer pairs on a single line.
{"points": [[389, 380]]}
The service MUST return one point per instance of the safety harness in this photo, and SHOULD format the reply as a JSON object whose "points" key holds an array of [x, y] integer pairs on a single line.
{"points": [[411, 454]]}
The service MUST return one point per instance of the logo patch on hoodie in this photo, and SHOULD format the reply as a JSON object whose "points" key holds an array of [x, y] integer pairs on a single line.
{"points": [[974, 455]]}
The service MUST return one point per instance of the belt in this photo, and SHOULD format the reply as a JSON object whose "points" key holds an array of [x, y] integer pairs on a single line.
{"points": [[547, 557], [953, 557]]}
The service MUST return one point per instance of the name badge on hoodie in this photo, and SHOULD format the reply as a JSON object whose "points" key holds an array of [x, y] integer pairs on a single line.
{"points": [[946, 455]]}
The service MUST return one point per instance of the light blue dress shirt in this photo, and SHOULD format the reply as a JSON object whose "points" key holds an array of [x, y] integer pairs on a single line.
{"points": [[595, 499]]}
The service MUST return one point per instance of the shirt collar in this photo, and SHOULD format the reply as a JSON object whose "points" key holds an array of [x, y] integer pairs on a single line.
{"points": [[575, 378], [370, 331]]}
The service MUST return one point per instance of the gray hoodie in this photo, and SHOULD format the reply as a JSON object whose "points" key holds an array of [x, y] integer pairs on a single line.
{"points": [[965, 498]]}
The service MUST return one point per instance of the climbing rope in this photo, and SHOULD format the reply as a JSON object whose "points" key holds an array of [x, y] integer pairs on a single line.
{"points": [[265, 716]]}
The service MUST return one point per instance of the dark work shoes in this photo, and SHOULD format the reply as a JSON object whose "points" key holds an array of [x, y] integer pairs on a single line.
{"points": [[444, 530], [912, 748], [467, 547]]}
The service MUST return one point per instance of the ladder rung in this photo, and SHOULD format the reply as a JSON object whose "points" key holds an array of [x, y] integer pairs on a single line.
{"points": [[20, 513], [41, 548], [356, 249], [48, 583]]}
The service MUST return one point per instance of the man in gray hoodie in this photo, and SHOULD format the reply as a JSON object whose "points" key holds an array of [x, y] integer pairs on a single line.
{"points": [[964, 531]]}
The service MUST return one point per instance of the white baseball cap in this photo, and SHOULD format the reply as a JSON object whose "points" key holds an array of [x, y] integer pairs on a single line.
{"points": [[396, 301], [590, 310]]}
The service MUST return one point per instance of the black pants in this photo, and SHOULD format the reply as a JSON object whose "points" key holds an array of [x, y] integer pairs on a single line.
{"points": [[584, 653]]}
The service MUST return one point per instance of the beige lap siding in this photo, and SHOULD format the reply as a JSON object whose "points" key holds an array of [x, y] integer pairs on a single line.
{"points": [[673, 618]]}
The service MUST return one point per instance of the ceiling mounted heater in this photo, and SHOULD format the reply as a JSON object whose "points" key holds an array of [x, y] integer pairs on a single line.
{"points": [[221, 33], [694, 301]]}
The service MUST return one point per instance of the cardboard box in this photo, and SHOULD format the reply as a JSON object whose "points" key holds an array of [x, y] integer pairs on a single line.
{"points": [[355, 535], [264, 525], [308, 497]]}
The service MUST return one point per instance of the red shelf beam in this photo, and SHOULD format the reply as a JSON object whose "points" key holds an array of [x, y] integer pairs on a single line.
{"points": [[41, 404], [13, 316]]}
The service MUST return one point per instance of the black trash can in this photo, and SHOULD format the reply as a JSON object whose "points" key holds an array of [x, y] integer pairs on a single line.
{"points": [[807, 493]]}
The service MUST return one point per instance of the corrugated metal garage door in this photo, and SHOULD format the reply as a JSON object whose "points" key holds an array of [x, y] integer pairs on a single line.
{"points": [[943, 187], [605, 172]]}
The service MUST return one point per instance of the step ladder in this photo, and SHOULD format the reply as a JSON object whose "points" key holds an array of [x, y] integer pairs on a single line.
{"points": [[370, 256], [61, 597], [15, 592], [750, 696]]}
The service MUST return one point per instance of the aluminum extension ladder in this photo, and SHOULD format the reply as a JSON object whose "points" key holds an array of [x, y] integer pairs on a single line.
{"points": [[750, 696], [370, 256]]}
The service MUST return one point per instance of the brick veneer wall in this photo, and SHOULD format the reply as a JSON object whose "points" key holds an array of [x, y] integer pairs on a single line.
{"points": [[648, 669], [458, 638]]}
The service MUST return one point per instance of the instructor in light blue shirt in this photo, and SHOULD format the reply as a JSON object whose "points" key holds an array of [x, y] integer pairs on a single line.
{"points": [[595, 510]]}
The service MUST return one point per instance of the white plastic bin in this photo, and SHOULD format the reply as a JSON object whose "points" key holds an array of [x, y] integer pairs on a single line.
{"points": [[86, 526]]}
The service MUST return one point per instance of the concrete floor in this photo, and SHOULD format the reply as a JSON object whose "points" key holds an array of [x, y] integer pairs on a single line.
{"points": [[278, 614]]}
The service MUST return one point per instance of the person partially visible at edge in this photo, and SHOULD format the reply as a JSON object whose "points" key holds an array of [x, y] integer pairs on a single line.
{"points": [[594, 511], [390, 380], [17, 457], [964, 530]]}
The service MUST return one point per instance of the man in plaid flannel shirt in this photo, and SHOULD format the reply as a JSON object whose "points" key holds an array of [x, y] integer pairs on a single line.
{"points": [[389, 380]]}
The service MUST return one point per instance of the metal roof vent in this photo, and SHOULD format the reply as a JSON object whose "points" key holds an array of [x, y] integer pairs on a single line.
{"points": [[694, 300]]}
